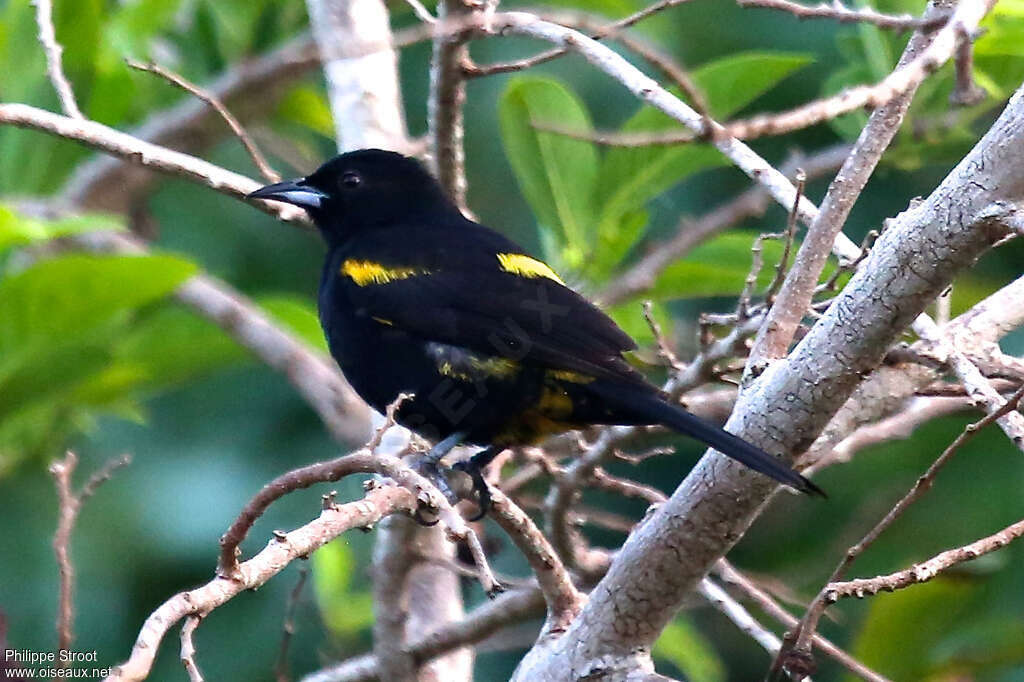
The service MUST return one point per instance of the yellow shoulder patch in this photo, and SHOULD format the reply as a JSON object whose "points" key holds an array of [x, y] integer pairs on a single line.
{"points": [[524, 266], [364, 272]]}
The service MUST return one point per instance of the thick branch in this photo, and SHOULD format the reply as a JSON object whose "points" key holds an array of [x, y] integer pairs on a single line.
{"points": [[910, 265], [360, 64]]}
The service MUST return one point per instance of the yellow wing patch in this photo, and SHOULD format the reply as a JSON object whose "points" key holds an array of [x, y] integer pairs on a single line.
{"points": [[524, 266], [499, 368], [364, 272], [566, 375]]}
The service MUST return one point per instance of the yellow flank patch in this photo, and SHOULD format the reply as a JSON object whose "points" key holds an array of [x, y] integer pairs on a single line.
{"points": [[524, 266], [499, 368], [554, 403], [364, 272], [502, 368], [381, 320], [567, 375]]}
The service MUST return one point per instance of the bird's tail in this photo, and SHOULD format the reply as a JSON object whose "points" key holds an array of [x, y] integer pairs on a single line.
{"points": [[651, 408]]}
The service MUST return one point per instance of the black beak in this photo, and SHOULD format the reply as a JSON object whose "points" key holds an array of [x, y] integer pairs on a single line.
{"points": [[295, 192]]}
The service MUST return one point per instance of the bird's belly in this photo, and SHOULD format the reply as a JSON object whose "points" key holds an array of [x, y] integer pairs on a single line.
{"points": [[381, 363]]}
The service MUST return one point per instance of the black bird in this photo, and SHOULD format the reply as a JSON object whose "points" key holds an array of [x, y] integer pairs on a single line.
{"points": [[495, 348]]}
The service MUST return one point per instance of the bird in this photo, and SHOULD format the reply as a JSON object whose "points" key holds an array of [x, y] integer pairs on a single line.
{"points": [[493, 347]]}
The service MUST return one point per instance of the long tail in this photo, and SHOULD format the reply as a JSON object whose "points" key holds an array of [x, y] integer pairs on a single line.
{"points": [[652, 409]]}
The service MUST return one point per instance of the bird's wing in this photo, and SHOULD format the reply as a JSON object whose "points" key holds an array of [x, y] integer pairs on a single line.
{"points": [[504, 304]]}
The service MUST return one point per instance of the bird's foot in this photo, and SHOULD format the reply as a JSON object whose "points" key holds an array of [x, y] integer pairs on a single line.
{"points": [[480, 487], [430, 467], [434, 471], [474, 468]]}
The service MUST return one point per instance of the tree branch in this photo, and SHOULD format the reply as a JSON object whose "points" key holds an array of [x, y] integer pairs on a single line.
{"points": [[797, 292], [964, 21], [843, 14], [69, 507], [446, 101], [103, 138], [53, 50], [250, 147], [783, 412], [249, 88], [379, 502]]}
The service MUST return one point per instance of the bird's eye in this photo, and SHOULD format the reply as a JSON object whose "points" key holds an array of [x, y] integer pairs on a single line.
{"points": [[351, 180]]}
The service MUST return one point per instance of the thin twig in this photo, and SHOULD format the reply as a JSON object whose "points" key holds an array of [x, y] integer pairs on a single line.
{"points": [[281, 673], [808, 625], [484, 621], [421, 12], [476, 71], [926, 570], [363, 461], [733, 577], [922, 55], [672, 70], [978, 387], [188, 648], [643, 274], [268, 173], [70, 505], [839, 12], [740, 617], [756, 263], [665, 351], [53, 50], [379, 502], [966, 92], [446, 101], [561, 596], [903, 80], [129, 147], [783, 264], [614, 138]]}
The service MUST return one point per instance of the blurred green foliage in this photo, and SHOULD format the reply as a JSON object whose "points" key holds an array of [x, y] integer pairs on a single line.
{"points": [[96, 355]]}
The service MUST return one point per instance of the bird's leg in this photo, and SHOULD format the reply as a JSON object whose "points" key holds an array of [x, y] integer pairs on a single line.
{"points": [[474, 466], [429, 464]]}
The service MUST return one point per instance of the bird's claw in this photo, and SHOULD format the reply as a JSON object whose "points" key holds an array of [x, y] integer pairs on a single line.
{"points": [[433, 471], [483, 491]]}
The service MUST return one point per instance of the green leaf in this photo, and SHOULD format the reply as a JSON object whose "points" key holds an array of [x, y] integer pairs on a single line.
{"points": [[733, 82], [299, 315], [719, 267], [630, 177], [170, 345], [345, 612], [16, 229], [682, 645], [133, 25], [902, 636], [556, 173], [57, 300], [308, 107], [630, 317]]}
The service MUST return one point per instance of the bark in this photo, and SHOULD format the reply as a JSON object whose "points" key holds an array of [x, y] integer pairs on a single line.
{"points": [[786, 408]]}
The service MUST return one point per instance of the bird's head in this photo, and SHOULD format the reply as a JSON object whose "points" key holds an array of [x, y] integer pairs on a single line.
{"points": [[361, 190]]}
